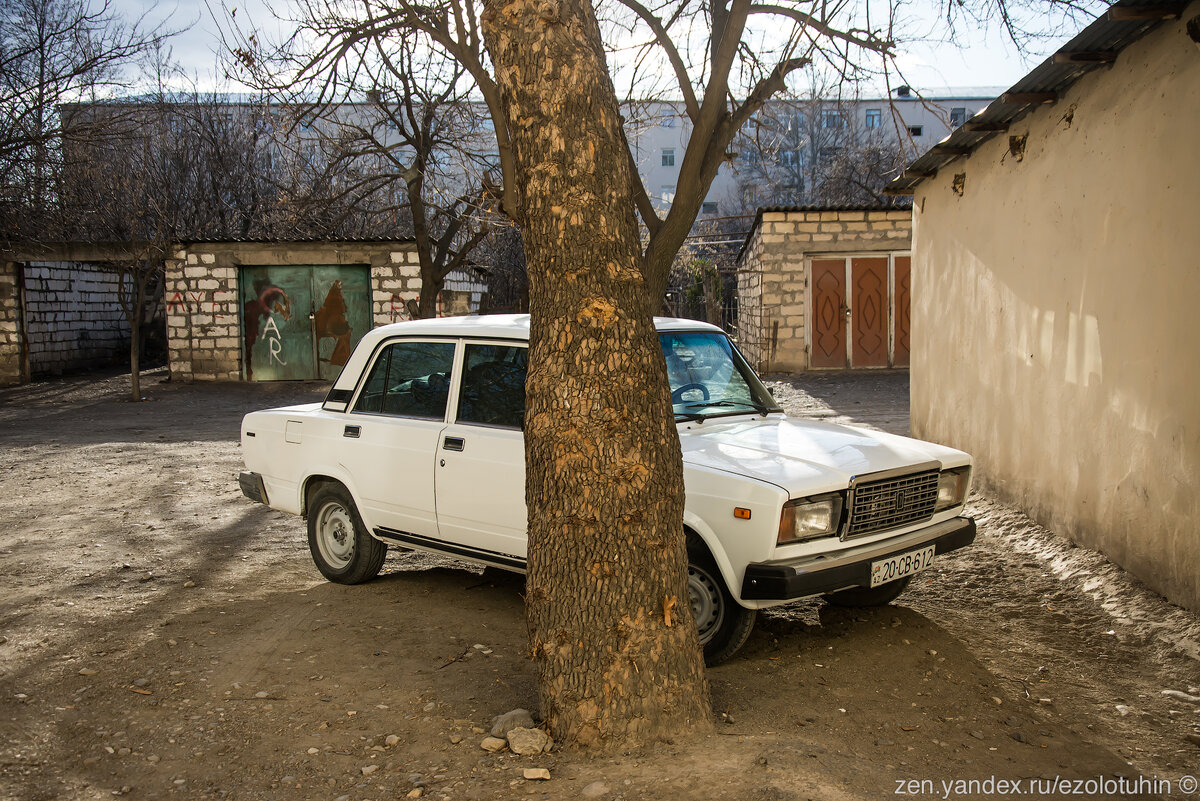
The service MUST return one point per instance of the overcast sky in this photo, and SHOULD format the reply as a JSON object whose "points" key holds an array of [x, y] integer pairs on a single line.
{"points": [[985, 58]]}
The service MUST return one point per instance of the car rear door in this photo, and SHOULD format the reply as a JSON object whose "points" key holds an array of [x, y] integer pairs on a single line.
{"points": [[480, 473]]}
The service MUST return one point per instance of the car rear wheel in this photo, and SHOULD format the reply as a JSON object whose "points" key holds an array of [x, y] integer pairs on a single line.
{"points": [[723, 623], [341, 547], [860, 597]]}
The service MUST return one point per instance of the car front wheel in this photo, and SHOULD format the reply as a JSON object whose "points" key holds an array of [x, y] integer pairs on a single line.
{"points": [[723, 623], [341, 547]]}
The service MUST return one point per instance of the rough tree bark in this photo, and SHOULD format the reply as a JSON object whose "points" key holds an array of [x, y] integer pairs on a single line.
{"points": [[611, 629]]}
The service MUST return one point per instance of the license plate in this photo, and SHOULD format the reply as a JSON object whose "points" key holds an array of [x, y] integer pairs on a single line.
{"points": [[901, 565]]}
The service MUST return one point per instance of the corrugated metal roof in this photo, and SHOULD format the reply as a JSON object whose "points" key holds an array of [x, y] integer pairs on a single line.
{"points": [[319, 240], [1098, 44]]}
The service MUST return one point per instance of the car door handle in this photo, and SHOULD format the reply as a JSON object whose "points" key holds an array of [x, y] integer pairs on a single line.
{"points": [[352, 431], [454, 443]]}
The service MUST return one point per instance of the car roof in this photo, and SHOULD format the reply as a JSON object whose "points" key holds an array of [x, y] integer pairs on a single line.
{"points": [[505, 326], [484, 326]]}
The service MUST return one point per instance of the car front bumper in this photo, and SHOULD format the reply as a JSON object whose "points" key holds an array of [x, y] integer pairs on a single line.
{"points": [[828, 572]]}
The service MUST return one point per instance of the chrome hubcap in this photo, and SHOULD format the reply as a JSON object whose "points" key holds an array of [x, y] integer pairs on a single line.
{"points": [[335, 535], [707, 605]]}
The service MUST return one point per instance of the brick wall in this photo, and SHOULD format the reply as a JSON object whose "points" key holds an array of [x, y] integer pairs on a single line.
{"points": [[10, 325], [204, 336], [72, 318], [773, 279]]}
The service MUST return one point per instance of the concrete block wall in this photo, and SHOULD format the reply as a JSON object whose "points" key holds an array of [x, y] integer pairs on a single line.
{"points": [[204, 336], [773, 279], [394, 283], [72, 318], [11, 370], [203, 319]]}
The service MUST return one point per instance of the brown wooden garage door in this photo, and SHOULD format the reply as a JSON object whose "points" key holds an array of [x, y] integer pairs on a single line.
{"points": [[860, 311]]}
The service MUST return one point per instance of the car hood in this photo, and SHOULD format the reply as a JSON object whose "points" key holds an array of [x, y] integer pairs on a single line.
{"points": [[803, 457]]}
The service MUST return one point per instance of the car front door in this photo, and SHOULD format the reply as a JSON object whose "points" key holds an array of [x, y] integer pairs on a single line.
{"points": [[480, 473], [392, 434]]}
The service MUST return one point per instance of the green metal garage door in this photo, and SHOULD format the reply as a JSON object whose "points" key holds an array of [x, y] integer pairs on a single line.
{"points": [[302, 322]]}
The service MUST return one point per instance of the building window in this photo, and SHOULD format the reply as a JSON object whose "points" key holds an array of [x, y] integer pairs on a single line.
{"points": [[874, 117], [708, 207], [668, 120], [916, 130], [668, 194], [668, 157], [831, 119], [789, 158], [957, 117]]}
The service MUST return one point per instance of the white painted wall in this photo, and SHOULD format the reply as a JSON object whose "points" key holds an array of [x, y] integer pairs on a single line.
{"points": [[1055, 309]]}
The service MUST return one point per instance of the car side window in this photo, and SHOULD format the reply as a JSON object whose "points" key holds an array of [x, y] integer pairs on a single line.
{"points": [[409, 379], [493, 385]]}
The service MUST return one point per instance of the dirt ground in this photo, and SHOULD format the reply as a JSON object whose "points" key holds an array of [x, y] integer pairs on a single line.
{"points": [[163, 637]]}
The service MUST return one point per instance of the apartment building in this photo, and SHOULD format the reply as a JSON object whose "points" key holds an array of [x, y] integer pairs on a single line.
{"points": [[782, 154]]}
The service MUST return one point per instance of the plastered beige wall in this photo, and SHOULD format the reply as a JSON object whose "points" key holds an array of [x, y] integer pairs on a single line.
{"points": [[1056, 306]]}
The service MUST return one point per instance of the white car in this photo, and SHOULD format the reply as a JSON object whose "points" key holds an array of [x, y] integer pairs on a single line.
{"points": [[419, 445]]}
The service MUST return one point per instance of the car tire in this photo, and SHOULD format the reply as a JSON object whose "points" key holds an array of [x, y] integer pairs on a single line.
{"points": [[341, 547], [860, 597], [723, 623]]}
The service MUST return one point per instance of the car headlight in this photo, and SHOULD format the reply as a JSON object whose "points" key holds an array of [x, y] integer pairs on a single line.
{"points": [[809, 518], [952, 488]]}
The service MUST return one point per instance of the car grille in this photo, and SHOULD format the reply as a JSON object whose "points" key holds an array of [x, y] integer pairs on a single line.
{"points": [[891, 503]]}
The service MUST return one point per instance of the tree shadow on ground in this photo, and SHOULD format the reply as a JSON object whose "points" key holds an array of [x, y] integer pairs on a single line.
{"points": [[317, 682], [95, 408]]}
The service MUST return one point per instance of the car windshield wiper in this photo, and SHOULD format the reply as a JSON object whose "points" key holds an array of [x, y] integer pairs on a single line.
{"points": [[761, 408]]}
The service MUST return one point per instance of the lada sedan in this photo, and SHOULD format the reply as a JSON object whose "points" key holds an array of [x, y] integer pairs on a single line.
{"points": [[419, 445]]}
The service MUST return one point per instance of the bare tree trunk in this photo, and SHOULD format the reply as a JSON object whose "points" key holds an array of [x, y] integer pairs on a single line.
{"points": [[714, 294], [137, 302], [135, 344], [610, 624], [431, 289]]}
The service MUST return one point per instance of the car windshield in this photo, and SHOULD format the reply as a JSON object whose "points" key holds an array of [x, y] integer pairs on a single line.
{"points": [[708, 377]]}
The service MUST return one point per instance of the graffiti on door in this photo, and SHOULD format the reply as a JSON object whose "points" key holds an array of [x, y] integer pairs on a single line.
{"points": [[330, 323], [302, 322], [258, 321]]}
